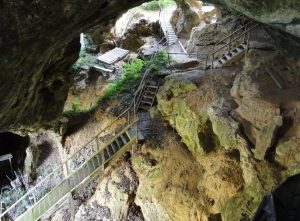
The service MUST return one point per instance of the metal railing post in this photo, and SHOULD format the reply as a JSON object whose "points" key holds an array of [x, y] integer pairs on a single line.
{"points": [[128, 117], [248, 42], [229, 45], [97, 143], [72, 207]]}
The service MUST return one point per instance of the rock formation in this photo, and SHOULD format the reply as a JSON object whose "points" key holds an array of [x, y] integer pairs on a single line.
{"points": [[38, 44]]}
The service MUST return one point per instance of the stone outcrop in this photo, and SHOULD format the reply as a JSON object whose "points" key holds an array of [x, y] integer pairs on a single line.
{"points": [[38, 44], [186, 16], [242, 110], [281, 16], [132, 38]]}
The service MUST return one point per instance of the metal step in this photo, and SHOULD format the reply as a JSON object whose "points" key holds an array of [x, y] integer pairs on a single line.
{"points": [[120, 143], [152, 86], [125, 138], [146, 102], [148, 97], [115, 146], [144, 107], [110, 150], [106, 154], [150, 92]]}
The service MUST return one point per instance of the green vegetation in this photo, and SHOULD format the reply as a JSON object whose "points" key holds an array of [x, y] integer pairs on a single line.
{"points": [[76, 104], [159, 62], [127, 82], [154, 5], [84, 59], [124, 84]]}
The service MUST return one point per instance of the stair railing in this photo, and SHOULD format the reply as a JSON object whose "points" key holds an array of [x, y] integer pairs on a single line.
{"points": [[244, 27], [78, 158], [165, 23], [245, 36]]}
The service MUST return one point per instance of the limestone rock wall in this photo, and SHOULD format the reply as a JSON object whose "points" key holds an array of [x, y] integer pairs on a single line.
{"points": [[242, 110], [38, 44]]}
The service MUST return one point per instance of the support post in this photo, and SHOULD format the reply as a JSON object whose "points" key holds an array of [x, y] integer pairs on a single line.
{"points": [[128, 116], [212, 62], [248, 41], [72, 207], [97, 143], [229, 44]]}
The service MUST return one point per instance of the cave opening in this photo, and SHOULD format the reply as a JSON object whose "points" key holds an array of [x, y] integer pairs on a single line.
{"points": [[207, 138], [14, 145]]}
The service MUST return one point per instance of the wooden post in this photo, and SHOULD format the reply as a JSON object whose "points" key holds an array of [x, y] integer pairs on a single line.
{"points": [[212, 62]]}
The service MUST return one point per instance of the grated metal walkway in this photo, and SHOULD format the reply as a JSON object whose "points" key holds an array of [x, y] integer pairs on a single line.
{"points": [[113, 56], [81, 167], [168, 31], [31, 206]]}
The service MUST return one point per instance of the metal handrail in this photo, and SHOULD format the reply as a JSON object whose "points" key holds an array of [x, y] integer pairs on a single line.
{"points": [[233, 40], [69, 176], [233, 33], [229, 43], [131, 107], [164, 20]]}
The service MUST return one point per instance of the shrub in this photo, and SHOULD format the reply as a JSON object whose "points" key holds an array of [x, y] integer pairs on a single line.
{"points": [[151, 6], [160, 61], [76, 104], [167, 3], [84, 59], [125, 83], [154, 5]]}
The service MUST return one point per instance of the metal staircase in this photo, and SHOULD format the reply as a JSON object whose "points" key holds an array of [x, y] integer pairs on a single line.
{"points": [[167, 29], [82, 174], [168, 32], [148, 96], [83, 165], [236, 45], [230, 56]]}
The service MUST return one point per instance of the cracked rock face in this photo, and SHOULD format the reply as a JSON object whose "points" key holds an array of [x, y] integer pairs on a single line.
{"points": [[282, 17], [38, 44], [279, 13]]}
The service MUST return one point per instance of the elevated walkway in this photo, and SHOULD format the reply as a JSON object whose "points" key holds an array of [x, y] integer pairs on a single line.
{"points": [[112, 56], [166, 27], [235, 45], [148, 96], [168, 32], [82, 166], [124, 140]]}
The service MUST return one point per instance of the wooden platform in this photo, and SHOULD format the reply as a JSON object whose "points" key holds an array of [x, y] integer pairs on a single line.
{"points": [[113, 56]]}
